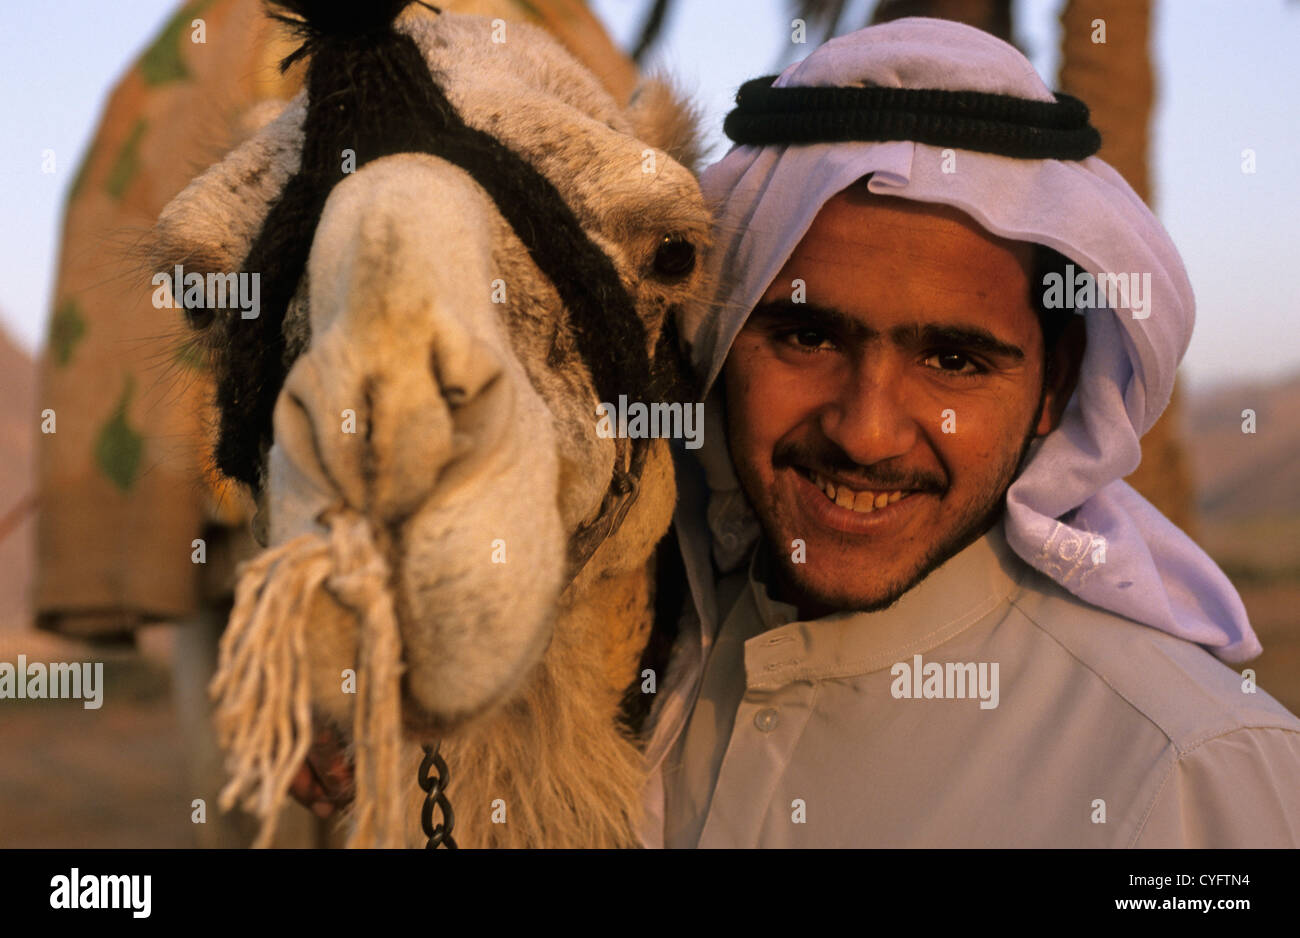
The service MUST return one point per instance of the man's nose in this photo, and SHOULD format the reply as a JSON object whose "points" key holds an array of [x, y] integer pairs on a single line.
{"points": [[868, 418]]}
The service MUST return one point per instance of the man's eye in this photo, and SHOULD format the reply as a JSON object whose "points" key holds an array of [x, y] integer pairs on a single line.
{"points": [[806, 339], [953, 363]]}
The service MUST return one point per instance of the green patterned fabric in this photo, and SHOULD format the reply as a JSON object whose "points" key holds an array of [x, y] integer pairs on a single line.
{"points": [[163, 61], [118, 447], [66, 330], [127, 162]]}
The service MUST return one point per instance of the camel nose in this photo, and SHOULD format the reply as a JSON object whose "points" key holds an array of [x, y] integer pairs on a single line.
{"points": [[429, 423], [390, 427], [404, 378]]}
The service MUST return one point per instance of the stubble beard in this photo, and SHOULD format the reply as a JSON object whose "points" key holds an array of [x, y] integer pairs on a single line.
{"points": [[792, 584]]}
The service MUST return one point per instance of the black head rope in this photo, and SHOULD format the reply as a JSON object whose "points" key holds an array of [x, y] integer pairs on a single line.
{"points": [[971, 120]]}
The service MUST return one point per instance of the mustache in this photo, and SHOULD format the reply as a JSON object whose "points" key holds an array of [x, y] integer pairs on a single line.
{"points": [[831, 460]]}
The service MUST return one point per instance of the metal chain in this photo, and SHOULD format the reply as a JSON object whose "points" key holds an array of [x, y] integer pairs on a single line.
{"points": [[435, 792]]}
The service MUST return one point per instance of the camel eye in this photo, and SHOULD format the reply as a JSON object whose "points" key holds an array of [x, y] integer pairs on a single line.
{"points": [[675, 256]]}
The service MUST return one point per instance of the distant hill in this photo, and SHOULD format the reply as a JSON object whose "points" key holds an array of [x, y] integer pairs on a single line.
{"points": [[1248, 485], [18, 426]]}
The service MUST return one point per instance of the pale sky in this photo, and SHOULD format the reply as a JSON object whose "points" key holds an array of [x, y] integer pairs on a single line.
{"points": [[1228, 79]]}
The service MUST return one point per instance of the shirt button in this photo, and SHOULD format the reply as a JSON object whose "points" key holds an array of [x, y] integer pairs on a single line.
{"points": [[766, 719]]}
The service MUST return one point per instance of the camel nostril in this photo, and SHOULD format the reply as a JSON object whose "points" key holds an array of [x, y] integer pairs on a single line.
{"points": [[298, 436], [463, 368], [453, 393]]}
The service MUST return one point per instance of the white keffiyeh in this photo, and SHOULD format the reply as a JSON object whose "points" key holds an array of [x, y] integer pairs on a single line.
{"points": [[1069, 513]]}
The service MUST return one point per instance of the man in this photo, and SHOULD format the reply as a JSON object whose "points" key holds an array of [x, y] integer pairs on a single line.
{"points": [[925, 609]]}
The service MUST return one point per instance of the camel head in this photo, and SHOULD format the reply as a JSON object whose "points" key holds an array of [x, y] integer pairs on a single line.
{"points": [[463, 244]]}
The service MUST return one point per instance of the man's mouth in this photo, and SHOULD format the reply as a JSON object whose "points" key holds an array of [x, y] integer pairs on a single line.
{"points": [[856, 499]]}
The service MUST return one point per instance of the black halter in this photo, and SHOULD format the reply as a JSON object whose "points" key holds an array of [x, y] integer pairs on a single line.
{"points": [[369, 89]]}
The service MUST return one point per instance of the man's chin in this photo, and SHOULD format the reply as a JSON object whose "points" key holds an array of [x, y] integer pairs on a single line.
{"points": [[845, 571], [823, 595]]}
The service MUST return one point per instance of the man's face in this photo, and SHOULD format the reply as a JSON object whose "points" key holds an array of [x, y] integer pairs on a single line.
{"points": [[881, 420]]}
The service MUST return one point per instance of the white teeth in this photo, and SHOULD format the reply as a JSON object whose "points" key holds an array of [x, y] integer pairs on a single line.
{"points": [[846, 497]]}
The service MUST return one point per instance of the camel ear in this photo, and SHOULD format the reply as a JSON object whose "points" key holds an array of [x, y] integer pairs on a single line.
{"points": [[210, 225], [663, 117]]}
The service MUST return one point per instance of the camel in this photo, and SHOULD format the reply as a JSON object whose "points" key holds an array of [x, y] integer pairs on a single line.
{"points": [[465, 246]]}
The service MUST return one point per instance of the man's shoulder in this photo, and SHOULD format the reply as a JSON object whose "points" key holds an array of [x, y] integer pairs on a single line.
{"points": [[1184, 690]]}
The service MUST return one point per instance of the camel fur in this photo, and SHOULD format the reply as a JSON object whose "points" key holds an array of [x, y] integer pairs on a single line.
{"points": [[477, 436]]}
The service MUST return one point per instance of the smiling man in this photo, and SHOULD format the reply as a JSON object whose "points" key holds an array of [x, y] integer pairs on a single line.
{"points": [[845, 407], [925, 610]]}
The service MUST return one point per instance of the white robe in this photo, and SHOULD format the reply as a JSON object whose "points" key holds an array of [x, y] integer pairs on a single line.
{"points": [[1106, 733]]}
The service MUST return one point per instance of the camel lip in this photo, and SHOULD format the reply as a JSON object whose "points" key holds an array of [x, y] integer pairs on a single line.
{"points": [[424, 725], [427, 720], [429, 726]]}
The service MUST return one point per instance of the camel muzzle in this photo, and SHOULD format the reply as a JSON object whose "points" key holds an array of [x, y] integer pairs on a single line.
{"points": [[404, 386]]}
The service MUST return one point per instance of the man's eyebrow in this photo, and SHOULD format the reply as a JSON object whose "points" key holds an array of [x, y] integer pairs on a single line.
{"points": [[813, 316], [942, 335], [969, 338]]}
